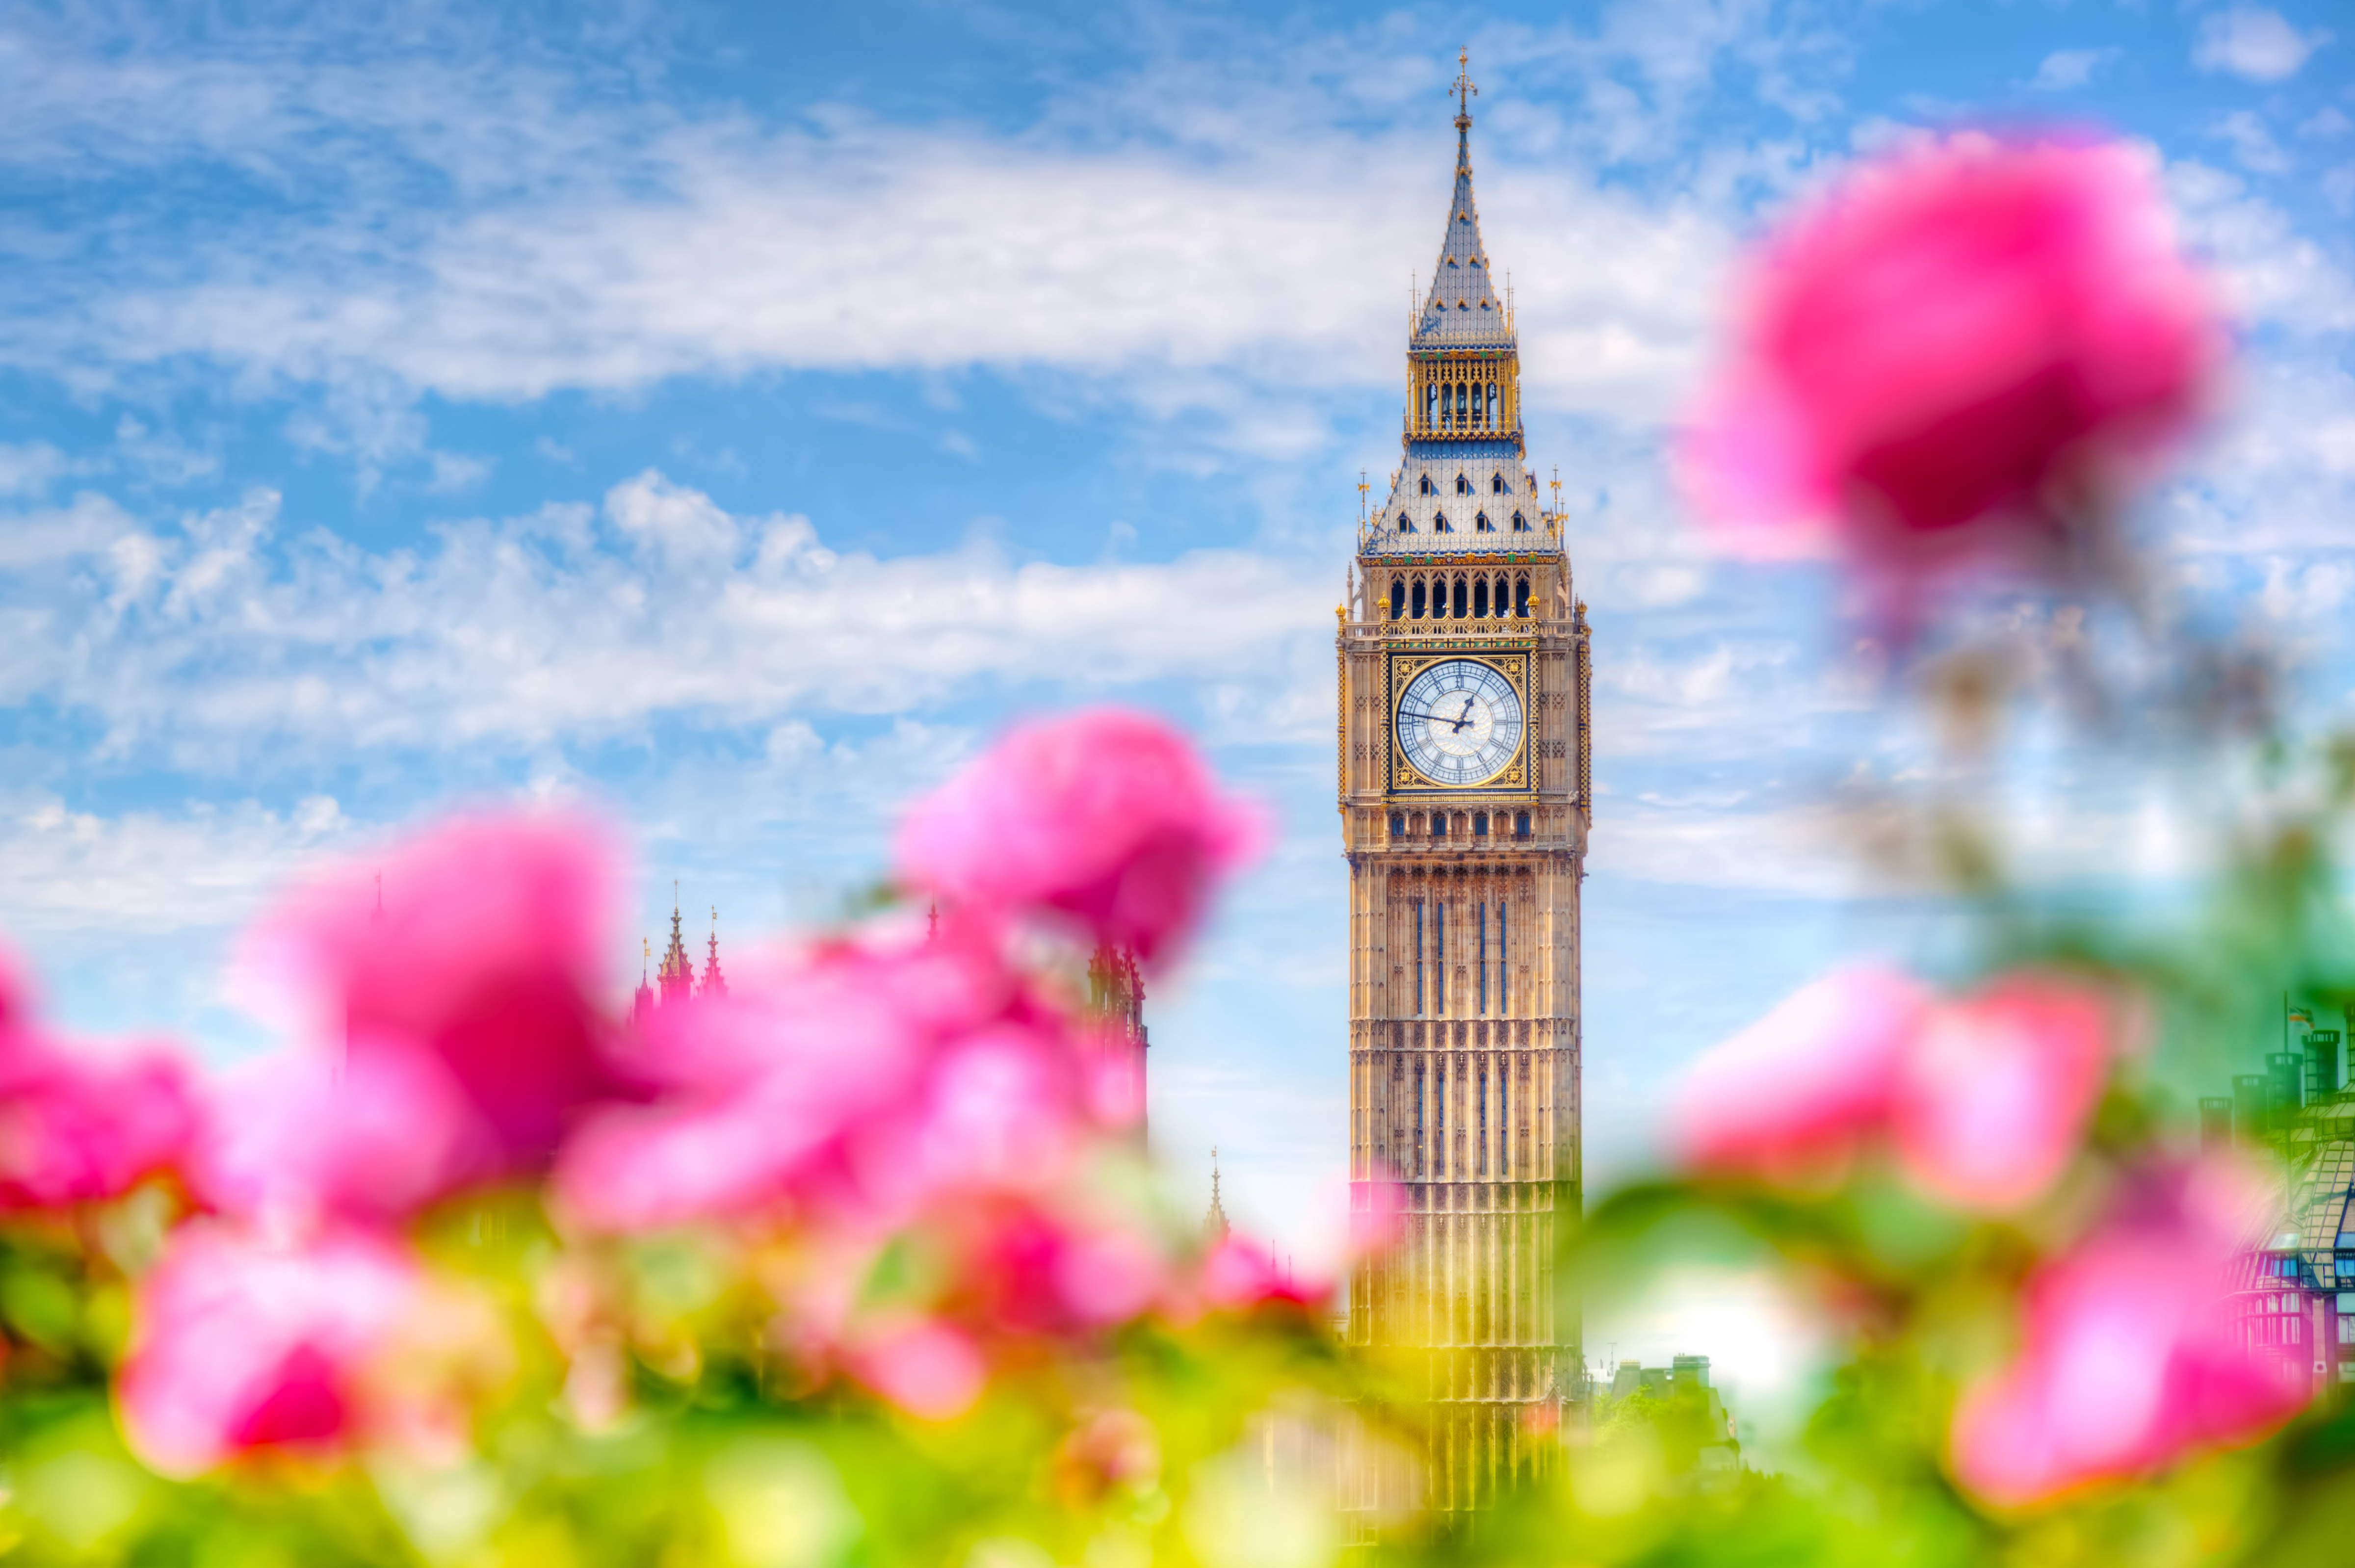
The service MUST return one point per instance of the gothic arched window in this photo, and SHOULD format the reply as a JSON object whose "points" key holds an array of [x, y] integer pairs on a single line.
{"points": [[1463, 486], [1426, 485], [1480, 597], [1440, 524], [1520, 824], [1521, 597], [1520, 526], [1463, 598], [1497, 484], [1480, 525], [1418, 598], [1398, 824], [1398, 597], [1492, 402], [1480, 827]]}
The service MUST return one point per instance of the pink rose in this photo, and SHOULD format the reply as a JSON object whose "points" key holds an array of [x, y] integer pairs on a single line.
{"points": [[239, 1345], [1962, 350], [80, 1122], [485, 956], [927, 1368], [297, 1141], [2130, 1358], [1982, 1099], [1995, 1089], [1794, 1097], [1241, 1273], [1106, 817]]}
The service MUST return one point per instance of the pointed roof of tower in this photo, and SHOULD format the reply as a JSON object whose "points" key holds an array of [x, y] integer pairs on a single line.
{"points": [[1215, 1228], [1463, 308], [715, 983]]}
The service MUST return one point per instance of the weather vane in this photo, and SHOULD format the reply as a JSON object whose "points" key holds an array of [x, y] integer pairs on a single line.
{"points": [[1462, 86]]}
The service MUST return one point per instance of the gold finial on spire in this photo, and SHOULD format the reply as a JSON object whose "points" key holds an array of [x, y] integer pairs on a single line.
{"points": [[1462, 86]]}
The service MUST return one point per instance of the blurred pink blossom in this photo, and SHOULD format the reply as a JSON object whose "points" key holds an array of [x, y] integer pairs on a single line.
{"points": [[241, 1345], [1108, 816], [1241, 1273], [484, 956], [297, 1141], [80, 1122], [927, 1368], [1966, 348], [2130, 1358], [1982, 1099], [1793, 1097], [1995, 1089], [859, 1083]]}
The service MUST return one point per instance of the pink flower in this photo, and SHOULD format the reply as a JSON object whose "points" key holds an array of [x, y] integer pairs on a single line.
{"points": [[1241, 1273], [1794, 1097], [1959, 351], [484, 956], [928, 1369], [297, 1141], [1982, 1099], [81, 1124], [1106, 817], [1994, 1090], [240, 1346], [857, 1088], [2129, 1358]]}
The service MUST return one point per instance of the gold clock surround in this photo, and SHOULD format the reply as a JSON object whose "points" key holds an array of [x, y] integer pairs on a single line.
{"points": [[1401, 667]]}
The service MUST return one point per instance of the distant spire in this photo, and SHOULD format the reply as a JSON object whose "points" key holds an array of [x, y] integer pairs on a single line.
{"points": [[677, 976], [644, 1002], [715, 983], [1215, 1228]]}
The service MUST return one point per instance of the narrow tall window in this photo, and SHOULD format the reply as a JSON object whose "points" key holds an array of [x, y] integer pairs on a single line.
{"points": [[1496, 484], [1430, 411], [1439, 959], [1418, 598], [1520, 824], [1418, 1001], [1492, 404], [1418, 1119], [1476, 825], [1484, 1120], [1521, 596], [1397, 589], [1398, 824], [1479, 825], [1503, 1002], [1463, 599], [1480, 592], [1462, 402]]}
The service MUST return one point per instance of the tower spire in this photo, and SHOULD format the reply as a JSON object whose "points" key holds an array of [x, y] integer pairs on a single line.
{"points": [[715, 983], [1464, 93], [1215, 1228]]}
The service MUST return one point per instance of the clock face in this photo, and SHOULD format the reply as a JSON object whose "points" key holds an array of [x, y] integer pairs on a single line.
{"points": [[1459, 722]]}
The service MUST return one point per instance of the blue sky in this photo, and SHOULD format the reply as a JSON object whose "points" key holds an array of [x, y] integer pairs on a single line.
{"points": [[730, 415]]}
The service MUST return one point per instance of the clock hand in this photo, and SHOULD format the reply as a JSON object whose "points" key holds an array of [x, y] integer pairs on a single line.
{"points": [[1464, 718]]}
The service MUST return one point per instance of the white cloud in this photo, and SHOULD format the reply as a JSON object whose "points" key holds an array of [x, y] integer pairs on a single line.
{"points": [[212, 638], [2272, 272], [2064, 70], [2253, 43], [2253, 143], [579, 241], [29, 469]]}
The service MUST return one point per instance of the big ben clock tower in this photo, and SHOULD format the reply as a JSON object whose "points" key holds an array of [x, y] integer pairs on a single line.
{"points": [[1465, 811]]}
